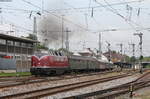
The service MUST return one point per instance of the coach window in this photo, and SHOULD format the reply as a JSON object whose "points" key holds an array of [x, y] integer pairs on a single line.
{"points": [[2, 41]]}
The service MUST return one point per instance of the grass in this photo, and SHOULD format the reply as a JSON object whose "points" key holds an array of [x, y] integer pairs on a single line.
{"points": [[15, 74]]}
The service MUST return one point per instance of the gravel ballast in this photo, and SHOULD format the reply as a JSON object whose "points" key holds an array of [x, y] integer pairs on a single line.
{"points": [[36, 86], [93, 88]]}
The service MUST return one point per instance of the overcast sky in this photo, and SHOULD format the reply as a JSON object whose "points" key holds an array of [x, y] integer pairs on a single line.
{"points": [[85, 19]]}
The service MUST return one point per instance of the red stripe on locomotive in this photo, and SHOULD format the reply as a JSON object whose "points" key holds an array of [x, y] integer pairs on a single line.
{"points": [[50, 61]]}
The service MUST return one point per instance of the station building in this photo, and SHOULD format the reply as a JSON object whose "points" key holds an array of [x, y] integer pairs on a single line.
{"points": [[15, 53]]}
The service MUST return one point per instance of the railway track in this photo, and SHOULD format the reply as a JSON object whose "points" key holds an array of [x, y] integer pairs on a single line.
{"points": [[9, 78], [16, 81], [61, 88], [53, 90], [28, 78], [111, 93], [12, 82]]}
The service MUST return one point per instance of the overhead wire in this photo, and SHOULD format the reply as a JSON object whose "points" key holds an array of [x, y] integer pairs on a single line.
{"points": [[104, 30], [89, 5], [84, 14], [73, 8], [52, 11], [57, 16], [117, 13], [112, 4], [120, 14], [86, 18], [80, 8]]}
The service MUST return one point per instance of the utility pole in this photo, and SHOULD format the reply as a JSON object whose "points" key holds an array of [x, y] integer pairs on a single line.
{"points": [[86, 20], [121, 52], [62, 27], [121, 48], [67, 39], [84, 44], [141, 53], [1, 16], [34, 28], [133, 54], [133, 49], [109, 50], [42, 6], [100, 46]]}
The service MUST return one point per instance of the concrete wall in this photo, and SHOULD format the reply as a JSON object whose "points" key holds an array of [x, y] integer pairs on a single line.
{"points": [[7, 64], [23, 66], [17, 65]]}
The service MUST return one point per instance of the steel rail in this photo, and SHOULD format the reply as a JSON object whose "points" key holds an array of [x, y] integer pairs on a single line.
{"points": [[118, 90], [62, 88], [40, 80]]}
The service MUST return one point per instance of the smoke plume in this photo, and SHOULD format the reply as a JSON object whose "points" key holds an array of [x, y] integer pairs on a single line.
{"points": [[50, 30]]}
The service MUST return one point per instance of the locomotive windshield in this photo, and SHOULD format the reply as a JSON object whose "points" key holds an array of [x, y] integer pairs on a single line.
{"points": [[41, 53]]}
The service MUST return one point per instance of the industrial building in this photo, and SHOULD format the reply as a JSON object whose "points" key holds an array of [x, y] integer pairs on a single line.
{"points": [[15, 53]]}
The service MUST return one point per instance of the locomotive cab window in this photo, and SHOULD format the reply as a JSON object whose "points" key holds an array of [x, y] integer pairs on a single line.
{"points": [[51, 53], [60, 54], [56, 53]]}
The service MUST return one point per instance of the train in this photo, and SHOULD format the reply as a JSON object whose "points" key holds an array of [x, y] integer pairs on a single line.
{"points": [[56, 63]]}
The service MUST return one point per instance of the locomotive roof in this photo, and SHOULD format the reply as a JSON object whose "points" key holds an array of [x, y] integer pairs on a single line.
{"points": [[46, 52], [82, 57]]}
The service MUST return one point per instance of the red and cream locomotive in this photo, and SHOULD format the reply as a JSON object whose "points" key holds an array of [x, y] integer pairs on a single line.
{"points": [[47, 63]]}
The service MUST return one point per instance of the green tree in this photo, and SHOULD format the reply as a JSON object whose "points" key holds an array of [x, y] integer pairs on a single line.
{"points": [[40, 46], [132, 59], [146, 59], [127, 58]]}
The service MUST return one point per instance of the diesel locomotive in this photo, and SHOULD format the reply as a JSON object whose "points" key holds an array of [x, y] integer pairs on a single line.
{"points": [[57, 63]]}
